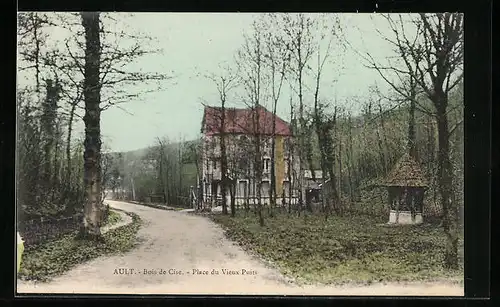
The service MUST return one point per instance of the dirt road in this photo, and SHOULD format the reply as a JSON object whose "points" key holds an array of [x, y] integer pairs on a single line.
{"points": [[181, 253]]}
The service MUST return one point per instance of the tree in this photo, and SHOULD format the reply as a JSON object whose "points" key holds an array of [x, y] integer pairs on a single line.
{"points": [[299, 40], [292, 177], [324, 126], [193, 155], [118, 83], [161, 169], [433, 58], [225, 83], [250, 60], [276, 59], [302, 35], [92, 118], [32, 38]]}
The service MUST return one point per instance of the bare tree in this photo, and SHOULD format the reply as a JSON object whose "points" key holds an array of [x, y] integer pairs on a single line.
{"points": [[291, 155], [250, 60], [433, 59], [276, 59], [92, 97], [225, 82], [299, 39], [162, 170], [32, 37]]}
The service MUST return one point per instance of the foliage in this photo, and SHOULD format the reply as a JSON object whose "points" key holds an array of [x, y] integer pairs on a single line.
{"points": [[44, 191], [113, 218], [53, 258], [343, 249], [140, 170]]}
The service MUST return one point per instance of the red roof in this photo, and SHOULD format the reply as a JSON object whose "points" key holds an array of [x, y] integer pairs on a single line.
{"points": [[239, 121]]}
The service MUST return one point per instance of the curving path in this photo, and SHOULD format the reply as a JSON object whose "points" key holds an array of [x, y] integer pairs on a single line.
{"points": [[179, 250]]}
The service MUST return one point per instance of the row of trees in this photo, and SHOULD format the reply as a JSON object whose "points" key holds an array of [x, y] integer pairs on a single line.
{"points": [[293, 49], [85, 70], [165, 171], [278, 51]]}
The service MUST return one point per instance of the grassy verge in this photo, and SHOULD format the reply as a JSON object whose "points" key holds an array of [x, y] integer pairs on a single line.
{"points": [[159, 206], [352, 249], [113, 218], [53, 258]]}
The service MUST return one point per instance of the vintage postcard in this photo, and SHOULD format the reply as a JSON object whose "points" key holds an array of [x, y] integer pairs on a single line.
{"points": [[238, 153]]}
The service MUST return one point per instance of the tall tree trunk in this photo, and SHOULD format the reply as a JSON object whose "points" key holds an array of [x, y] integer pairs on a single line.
{"points": [[258, 167], [56, 171], [339, 158], [383, 161], [48, 122], [350, 159], [384, 136], [92, 153], [223, 154], [412, 148], [291, 158], [272, 190], [233, 200], [181, 144], [68, 142], [162, 173], [35, 20], [450, 212]]}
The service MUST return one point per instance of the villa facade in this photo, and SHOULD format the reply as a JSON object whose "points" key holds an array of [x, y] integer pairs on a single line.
{"points": [[243, 129]]}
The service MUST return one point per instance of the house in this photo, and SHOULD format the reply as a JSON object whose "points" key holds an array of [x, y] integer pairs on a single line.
{"points": [[242, 129]]}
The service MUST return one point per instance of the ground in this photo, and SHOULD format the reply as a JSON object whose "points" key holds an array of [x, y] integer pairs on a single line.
{"points": [[187, 248], [352, 248]]}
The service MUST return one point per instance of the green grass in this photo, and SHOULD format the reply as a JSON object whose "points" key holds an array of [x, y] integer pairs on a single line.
{"points": [[46, 260], [113, 218], [354, 249]]}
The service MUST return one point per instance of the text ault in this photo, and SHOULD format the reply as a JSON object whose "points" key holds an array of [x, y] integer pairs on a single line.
{"points": [[128, 271]]}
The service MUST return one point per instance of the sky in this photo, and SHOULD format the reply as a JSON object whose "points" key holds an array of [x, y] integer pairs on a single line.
{"points": [[196, 43]]}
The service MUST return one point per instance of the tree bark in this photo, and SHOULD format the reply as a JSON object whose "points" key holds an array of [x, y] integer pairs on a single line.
{"points": [[272, 190], [450, 212], [233, 200], [223, 154], [92, 144], [412, 149], [68, 142], [350, 158]]}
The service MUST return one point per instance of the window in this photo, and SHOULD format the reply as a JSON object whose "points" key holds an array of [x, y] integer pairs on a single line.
{"points": [[214, 164], [265, 188], [266, 164], [286, 188]]}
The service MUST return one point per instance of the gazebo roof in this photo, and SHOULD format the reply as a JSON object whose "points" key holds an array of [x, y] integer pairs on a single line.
{"points": [[406, 173]]}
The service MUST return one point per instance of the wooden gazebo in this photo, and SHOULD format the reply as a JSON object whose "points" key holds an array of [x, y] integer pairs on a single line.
{"points": [[406, 185]]}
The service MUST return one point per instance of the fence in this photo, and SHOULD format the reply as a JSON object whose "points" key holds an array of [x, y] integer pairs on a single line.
{"points": [[39, 230]]}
